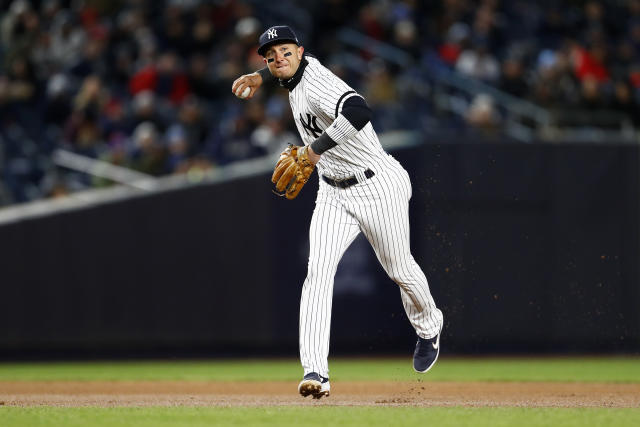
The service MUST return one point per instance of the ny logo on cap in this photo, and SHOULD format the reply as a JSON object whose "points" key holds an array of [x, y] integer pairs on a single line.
{"points": [[271, 33]]}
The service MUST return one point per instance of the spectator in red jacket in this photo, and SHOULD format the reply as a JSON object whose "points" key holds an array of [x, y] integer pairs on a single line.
{"points": [[165, 78]]}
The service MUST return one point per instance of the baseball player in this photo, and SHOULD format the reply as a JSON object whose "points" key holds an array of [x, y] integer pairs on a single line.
{"points": [[362, 189]]}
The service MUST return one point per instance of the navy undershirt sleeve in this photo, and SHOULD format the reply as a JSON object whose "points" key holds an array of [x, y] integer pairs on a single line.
{"points": [[356, 110]]}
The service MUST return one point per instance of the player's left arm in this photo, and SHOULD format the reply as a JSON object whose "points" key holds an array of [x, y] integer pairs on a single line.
{"points": [[352, 119]]}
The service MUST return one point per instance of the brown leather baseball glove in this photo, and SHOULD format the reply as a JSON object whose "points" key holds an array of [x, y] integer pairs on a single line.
{"points": [[292, 171]]}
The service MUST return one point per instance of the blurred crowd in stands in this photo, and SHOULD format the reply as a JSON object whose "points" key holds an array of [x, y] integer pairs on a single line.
{"points": [[147, 84]]}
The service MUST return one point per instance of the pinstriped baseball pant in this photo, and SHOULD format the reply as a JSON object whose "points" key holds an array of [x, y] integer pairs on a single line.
{"points": [[379, 208]]}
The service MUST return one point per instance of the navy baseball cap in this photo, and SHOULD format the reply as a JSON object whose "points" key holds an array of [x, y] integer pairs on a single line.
{"points": [[276, 35]]}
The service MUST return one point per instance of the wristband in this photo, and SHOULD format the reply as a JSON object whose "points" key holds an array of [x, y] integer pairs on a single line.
{"points": [[265, 74], [323, 143]]}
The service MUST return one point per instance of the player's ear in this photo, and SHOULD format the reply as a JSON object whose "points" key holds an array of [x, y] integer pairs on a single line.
{"points": [[300, 52]]}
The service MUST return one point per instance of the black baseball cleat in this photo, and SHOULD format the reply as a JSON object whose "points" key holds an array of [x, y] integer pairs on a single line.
{"points": [[426, 354], [314, 385]]}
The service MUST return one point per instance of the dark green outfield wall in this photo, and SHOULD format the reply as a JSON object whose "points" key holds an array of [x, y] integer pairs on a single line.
{"points": [[528, 248]]}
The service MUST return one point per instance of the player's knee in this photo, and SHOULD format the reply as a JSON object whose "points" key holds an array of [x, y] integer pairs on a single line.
{"points": [[320, 271], [316, 272], [399, 277]]}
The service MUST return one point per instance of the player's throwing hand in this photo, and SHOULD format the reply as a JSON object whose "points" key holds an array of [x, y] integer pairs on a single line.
{"points": [[248, 81]]}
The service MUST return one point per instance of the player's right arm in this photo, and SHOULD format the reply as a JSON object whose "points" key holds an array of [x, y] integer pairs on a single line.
{"points": [[252, 81]]}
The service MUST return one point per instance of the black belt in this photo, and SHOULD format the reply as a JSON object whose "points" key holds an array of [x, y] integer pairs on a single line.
{"points": [[347, 182]]}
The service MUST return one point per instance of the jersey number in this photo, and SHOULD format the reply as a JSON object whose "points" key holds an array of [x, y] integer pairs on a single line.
{"points": [[311, 127]]}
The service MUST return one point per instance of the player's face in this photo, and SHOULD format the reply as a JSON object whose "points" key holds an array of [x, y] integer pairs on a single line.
{"points": [[283, 59]]}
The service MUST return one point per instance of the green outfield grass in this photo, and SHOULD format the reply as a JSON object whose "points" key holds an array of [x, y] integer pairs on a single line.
{"points": [[320, 416], [583, 369]]}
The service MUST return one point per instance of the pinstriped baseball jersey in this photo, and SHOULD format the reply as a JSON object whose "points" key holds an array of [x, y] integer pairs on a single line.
{"points": [[377, 205], [316, 102]]}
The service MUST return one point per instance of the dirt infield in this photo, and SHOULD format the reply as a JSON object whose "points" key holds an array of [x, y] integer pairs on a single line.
{"points": [[191, 393]]}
